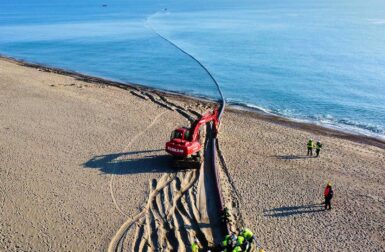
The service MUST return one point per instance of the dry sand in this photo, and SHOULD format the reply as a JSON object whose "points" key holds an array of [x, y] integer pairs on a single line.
{"points": [[280, 189], [83, 169]]}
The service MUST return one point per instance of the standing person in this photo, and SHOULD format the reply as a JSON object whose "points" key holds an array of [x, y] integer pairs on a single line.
{"points": [[310, 145], [318, 147], [229, 243], [226, 217], [239, 246], [328, 193], [249, 238]]}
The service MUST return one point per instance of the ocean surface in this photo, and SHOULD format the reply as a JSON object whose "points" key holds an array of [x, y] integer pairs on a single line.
{"points": [[317, 61]]}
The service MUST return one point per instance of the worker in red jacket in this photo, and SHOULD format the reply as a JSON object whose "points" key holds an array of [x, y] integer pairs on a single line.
{"points": [[328, 193]]}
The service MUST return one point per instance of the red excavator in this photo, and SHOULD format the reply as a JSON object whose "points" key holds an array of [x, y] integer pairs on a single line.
{"points": [[185, 144]]}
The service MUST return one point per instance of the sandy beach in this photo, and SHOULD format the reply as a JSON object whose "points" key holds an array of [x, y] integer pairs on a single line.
{"points": [[83, 168]]}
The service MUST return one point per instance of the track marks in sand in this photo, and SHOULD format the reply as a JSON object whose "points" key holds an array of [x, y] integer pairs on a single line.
{"points": [[158, 225], [169, 220], [171, 217], [127, 147], [165, 223], [117, 240], [178, 219]]}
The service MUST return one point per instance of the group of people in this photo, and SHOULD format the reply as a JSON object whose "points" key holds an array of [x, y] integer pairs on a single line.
{"points": [[238, 243], [242, 242], [311, 146], [328, 192], [232, 242]]}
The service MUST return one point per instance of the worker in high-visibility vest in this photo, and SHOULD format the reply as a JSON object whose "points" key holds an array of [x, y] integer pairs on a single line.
{"points": [[247, 234], [248, 238], [225, 241], [240, 240], [229, 243], [310, 145], [318, 147], [234, 243], [238, 249], [195, 245]]}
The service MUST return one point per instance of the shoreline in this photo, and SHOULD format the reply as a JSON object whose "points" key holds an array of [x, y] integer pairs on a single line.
{"points": [[91, 157], [136, 89]]}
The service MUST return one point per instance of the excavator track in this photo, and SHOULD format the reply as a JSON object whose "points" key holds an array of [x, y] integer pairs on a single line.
{"points": [[187, 163]]}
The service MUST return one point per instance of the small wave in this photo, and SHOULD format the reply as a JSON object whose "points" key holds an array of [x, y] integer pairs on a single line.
{"points": [[248, 105], [377, 21], [351, 126], [366, 126], [325, 120]]}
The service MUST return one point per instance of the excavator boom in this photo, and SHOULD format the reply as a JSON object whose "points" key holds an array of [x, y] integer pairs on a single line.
{"points": [[203, 120]]}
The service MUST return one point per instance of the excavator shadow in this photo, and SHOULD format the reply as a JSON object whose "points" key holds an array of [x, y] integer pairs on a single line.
{"points": [[126, 163], [287, 211]]}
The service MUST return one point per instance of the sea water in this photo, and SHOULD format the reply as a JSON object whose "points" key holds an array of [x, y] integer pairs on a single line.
{"points": [[318, 61]]}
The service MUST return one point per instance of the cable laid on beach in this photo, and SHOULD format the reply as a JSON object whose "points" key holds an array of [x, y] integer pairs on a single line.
{"points": [[222, 102], [193, 58], [221, 204]]}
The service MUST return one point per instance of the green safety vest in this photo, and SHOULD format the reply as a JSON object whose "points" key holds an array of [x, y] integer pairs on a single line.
{"points": [[310, 144], [240, 240], [226, 241], [319, 146], [247, 234], [237, 249], [194, 247]]}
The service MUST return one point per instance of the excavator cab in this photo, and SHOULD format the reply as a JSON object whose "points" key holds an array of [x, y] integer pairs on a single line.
{"points": [[186, 153], [181, 133]]}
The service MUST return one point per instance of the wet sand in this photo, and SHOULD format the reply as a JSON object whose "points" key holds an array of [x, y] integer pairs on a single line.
{"points": [[83, 169]]}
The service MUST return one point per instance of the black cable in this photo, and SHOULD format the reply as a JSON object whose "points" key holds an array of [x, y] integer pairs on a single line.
{"points": [[196, 60]]}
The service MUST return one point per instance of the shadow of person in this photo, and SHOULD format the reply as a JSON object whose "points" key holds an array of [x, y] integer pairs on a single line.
{"points": [[287, 211], [292, 157], [122, 164]]}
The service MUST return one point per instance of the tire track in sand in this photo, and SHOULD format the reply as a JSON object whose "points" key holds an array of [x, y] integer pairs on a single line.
{"points": [[128, 145], [164, 181], [143, 218], [161, 226], [172, 216]]}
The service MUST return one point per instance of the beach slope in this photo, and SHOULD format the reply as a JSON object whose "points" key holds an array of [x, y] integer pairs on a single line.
{"points": [[83, 166]]}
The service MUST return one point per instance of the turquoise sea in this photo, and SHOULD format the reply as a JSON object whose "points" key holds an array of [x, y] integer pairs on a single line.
{"points": [[317, 61]]}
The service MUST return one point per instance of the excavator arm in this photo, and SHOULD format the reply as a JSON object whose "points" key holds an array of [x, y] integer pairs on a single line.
{"points": [[203, 120]]}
